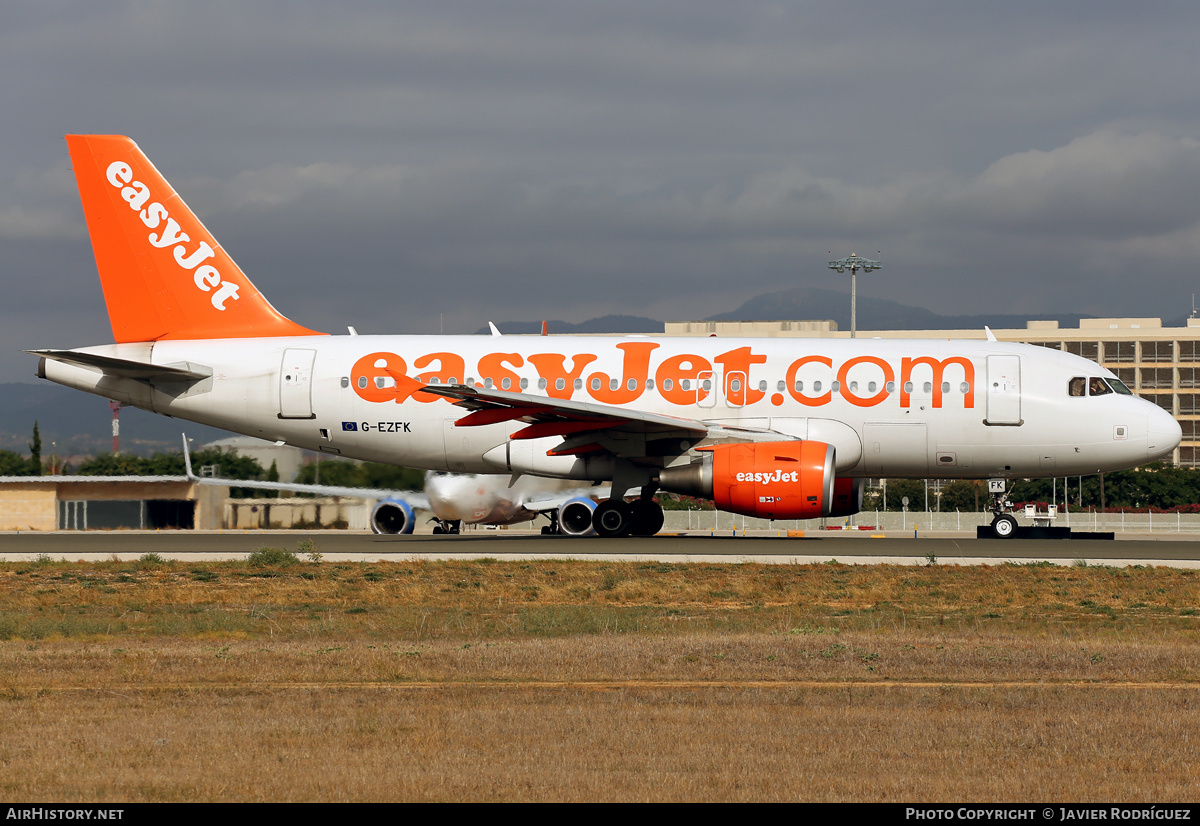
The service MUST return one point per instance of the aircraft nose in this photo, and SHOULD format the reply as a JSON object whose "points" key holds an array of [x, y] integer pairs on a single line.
{"points": [[1163, 434]]}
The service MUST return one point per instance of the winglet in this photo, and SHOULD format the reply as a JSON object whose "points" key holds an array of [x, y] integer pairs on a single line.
{"points": [[990, 335], [164, 275], [187, 460], [494, 329]]}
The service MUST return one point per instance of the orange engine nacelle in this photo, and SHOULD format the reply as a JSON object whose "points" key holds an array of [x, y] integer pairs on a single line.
{"points": [[770, 480]]}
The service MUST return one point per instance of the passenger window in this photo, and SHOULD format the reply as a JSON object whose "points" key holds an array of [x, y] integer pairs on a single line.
{"points": [[1076, 385]]}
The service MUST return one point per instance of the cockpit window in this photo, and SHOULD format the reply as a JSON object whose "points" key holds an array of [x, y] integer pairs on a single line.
{"points": [[1098, 387], [1120, 387], [1076, 386]]}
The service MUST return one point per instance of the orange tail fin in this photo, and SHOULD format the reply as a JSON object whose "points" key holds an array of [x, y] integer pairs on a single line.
{"points": [[164, 275]]}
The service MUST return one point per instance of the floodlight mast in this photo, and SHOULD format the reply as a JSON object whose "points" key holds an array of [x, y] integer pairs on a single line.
{"points": [[854, 263]]}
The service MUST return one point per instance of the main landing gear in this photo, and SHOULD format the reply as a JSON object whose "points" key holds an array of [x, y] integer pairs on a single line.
{"points": [[616, 517], [447, 526], [1004, 524]]}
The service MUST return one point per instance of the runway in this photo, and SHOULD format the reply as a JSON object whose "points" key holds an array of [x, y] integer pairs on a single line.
{"points": [[1176, 550]]}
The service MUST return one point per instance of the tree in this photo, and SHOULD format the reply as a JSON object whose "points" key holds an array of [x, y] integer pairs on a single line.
{"points": [[35, 452], [273, 474], [363, 475], [13, 464], [914, 489], [232, 466], [113, 464], [962, 495]]}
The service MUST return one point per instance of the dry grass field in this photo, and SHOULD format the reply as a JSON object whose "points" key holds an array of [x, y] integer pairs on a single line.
{"points": [[313, 680]]}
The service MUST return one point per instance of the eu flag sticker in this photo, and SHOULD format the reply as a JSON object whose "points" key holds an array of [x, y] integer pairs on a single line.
{"points": [[349, 426]]}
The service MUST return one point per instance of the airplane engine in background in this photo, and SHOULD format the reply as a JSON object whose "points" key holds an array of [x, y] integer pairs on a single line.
{"points": [[575, 517], [769, 480], [847, 496], [393, 516]]}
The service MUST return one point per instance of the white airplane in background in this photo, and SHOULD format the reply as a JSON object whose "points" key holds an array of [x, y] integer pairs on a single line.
{"points": [[773, 428], [453, 499]]}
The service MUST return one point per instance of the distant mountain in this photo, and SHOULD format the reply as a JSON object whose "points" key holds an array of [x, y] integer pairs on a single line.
{"points": [[604, 324], [809, 304], [81, 423]]}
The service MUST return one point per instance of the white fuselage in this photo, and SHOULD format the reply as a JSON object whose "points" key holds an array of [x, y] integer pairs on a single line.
{"points": [[966, 409]]}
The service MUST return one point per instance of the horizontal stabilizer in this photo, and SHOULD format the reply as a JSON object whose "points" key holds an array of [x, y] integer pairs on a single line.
{"points": [[125, 368]]}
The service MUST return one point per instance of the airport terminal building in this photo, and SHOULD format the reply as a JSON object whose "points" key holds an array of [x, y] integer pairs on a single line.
{"points": [[1161, 364]]}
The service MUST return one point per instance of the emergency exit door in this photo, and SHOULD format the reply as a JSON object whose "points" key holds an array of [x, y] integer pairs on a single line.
{"points": [[1003, 390]]}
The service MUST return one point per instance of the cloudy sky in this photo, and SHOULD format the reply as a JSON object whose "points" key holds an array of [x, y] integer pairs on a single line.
{"points": [[400, 165]]}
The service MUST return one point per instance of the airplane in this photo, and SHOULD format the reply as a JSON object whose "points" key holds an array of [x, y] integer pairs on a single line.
{"points": [[771, 428], [453, 499]]}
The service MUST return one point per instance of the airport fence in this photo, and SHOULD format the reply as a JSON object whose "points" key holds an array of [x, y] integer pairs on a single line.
{"points": [[1118, 522]]}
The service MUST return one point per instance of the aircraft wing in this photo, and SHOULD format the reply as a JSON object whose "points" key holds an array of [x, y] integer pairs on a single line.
{"points": [[553, 503], [413, 498], [582, 425]]}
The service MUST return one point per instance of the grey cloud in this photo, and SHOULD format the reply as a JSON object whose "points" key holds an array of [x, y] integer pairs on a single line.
{"points": [[380, 164]]}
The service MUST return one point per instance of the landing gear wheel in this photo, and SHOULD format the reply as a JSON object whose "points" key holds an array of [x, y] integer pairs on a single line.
{"points": [[447, 526], [612, 518], [646, 517], [1004, 526]]}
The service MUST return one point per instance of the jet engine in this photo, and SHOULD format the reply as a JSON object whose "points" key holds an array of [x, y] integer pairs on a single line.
{"points": [[770, 480], [393, 516], [847, 496], [575, 516]]}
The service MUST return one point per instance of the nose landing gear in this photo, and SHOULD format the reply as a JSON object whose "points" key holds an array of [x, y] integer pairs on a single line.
{"points": [[1004, 524]]}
